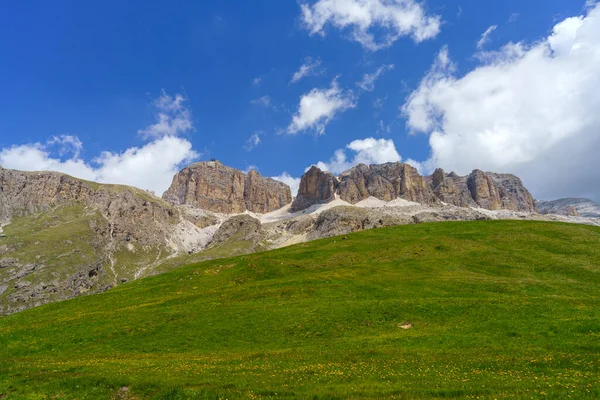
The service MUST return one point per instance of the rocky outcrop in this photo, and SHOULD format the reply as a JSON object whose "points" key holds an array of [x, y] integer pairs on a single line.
{"points": [[571, 211], [239, 228], [129, 212], [316, 187], [343, 220], [385, 182], [570, 207], [507, 192], [483, 191], [214, 187], [392, 181], [451, 189], [24, 193], [263, 195]]}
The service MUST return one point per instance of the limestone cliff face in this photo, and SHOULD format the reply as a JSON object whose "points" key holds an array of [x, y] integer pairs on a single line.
{"points": [[129, 211], [451, 189], [500, 192], [262, 195], [316, 187], [214, 187], [483, 190], [385, 182], [397, 180], [24, 193]]}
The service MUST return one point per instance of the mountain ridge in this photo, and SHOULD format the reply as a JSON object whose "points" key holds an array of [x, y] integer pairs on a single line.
{"points": [[392, 181], [64, 237], [570, 206]]}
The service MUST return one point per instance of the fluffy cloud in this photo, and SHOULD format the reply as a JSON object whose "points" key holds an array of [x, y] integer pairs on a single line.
{"points": [[485, 37], [150, 167], [37, 157], [172, 118], [392, 18], [527, 109], [365, 151], [368, 81], [293, 183], [309, 68], [318, 107], [66, 144]]}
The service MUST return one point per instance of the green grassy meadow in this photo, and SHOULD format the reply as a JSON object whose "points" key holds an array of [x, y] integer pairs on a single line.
{"points": [[499, 310]]}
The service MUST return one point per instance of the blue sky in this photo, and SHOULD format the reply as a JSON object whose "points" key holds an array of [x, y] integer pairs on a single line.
{"points": [[84, 82]]}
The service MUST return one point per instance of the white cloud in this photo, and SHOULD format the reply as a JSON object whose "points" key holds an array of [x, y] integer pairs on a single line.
{"points": [[309, 68], [257, 81], [293, 183], [150, 167], [318, 107], [172, 117], [366, 151], [264, 101], [253, 141], [36, 157], [485, 37], [368, 81], [67, 144], [531, 110], [391, 18], [589, 4]]}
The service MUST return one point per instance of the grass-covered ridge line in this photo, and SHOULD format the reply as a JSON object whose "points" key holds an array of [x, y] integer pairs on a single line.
{"points": [[500, 309]]}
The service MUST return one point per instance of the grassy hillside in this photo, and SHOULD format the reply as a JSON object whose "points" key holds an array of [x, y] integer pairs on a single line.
{"points": [[499, 310], [60, 253], [61, 240]]}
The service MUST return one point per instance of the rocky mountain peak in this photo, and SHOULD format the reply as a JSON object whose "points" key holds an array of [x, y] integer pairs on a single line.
{"points": [[215, 187], [392, 181], [385, 182], [316, 187]]}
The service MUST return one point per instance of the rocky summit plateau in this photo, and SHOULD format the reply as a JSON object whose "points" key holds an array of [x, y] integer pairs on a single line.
{"points": [[63, 237], [391, 181]]}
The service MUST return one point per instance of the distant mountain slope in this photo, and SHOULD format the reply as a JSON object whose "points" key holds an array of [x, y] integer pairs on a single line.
{"points": [[584, 207], [63, 237], [488, 309]]}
